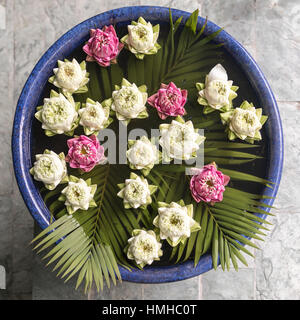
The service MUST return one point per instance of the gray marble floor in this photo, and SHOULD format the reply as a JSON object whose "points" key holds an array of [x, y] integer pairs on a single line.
{"points": [[269, 29]]}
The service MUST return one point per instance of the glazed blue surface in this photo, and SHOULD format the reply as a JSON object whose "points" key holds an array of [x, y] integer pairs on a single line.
{"points": [[21, 137]]}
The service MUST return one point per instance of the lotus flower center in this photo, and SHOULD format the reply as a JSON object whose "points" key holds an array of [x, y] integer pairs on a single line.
{"points": [[45, 167], [102, 40], [93, 112], [69, 71], [83, 150], [77, 193], [245, 122], [221, 88], [57, 111], [127, 98], [176, 220], [142, 32], [141, 154], [128, 101], [145, 248], [210, 183], [169, 99], [172, 96], [134, 190], [248, 118], [180, 134], [206, 185], [130, 98]]}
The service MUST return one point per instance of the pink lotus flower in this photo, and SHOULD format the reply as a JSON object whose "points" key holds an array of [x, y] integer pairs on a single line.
{"points": [[208, 184], [84, 152], [169, 101], [103, 46]]}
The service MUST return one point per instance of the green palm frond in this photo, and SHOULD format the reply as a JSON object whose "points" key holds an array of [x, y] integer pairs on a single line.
{"points": [[89, 239], [229, 225], [90, 244]]}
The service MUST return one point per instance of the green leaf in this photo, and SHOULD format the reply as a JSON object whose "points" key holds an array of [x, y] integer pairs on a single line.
{"points": [[239, 237], [201, 235], [226, 255], [244, 176], [233, 258], [191, 241], [106, 83], [94, 85], [239, 255], [208, 235], [215, 247], [251, 225], [221, 250], [116, 74]]}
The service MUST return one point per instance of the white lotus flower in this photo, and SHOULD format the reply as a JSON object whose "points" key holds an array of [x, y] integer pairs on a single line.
{"points": [[78, 194], [144, 247], [244, 122], [58, 114], [136, 192], [50, 168], [128, 101], [142, 154], [70, 76], [142, 38], [179, 139], [175, 222], [218, 92], [94, 117]]}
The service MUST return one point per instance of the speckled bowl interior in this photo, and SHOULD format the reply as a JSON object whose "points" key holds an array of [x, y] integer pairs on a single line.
{"points": [[68, 43]]}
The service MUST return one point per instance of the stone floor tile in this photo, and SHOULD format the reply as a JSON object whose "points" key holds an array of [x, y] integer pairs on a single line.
{"points": [[278, 46], [6, 94], [2, 278], [277, 264], [22, 282], [228, 285], [47, 286], [6, 239], [22, 254], [287, 198], [6, 167], [277, 271], [122, 291], [180, 290]]}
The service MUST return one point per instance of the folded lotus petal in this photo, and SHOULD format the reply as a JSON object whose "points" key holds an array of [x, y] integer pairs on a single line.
{"points": [[208, 184], [217, 73], [103, 46], [151, 99], [169, 101], [84, 152]]}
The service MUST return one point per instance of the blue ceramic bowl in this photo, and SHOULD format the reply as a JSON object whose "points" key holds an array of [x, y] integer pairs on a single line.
{"points": [[74, 38]]}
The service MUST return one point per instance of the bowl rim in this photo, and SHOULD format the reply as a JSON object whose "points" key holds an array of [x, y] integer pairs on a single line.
{"points": [[20, 143]]}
